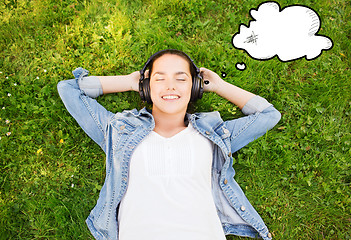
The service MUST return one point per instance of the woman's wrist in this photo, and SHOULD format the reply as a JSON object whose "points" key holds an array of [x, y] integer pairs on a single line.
{"points": [[218, 84], [134, 78]]}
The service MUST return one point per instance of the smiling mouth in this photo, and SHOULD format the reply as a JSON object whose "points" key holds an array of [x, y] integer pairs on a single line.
{"points": [[170, 97]]}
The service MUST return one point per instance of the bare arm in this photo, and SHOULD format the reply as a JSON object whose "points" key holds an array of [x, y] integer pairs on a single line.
{"points": [[224, 89], [121, 83]]}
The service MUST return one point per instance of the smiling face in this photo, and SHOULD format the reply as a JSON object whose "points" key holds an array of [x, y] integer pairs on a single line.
{"points": [[170, 84]]}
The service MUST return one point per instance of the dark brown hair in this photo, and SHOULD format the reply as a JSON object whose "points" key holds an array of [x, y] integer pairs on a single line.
{"points": [[173, 52]]}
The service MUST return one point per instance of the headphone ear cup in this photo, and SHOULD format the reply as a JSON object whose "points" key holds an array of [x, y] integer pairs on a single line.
{"points": [[146, 90], [194, 90], [141, 89], [201, 86], [197, 88]]}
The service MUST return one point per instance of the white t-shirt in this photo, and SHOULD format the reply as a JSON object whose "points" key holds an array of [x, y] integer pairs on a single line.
{"points": [[169, 191]]}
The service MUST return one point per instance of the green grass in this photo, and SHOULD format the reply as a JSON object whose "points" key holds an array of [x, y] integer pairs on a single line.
{"points": [[297, 176]]}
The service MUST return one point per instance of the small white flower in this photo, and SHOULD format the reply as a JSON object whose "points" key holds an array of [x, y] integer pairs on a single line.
{"points": [[0, 138], [0, 72], [72, 176], [9, 94], [7, 121], [44, 70], [15, 84], [8, 133], [3, 108], [7, 77], [72, 185], [37, 77]]}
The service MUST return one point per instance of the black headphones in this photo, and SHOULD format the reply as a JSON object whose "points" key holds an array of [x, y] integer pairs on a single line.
{"points": [[197, 89]]}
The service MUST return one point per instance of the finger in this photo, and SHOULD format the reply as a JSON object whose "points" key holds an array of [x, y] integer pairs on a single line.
{"points": [[202, 70]]}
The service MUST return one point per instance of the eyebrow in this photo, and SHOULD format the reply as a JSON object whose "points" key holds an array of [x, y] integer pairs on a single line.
{"points": [[177, 73]]}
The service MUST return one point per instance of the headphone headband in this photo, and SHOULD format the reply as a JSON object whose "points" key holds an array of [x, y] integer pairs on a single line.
{"points": [[146, 65]]}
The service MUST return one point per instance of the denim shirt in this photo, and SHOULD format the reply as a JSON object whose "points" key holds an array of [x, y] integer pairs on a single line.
{"points": [[119, 134]]}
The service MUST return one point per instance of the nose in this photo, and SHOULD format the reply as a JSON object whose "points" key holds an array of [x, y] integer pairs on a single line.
{"points": [[170, 84]]}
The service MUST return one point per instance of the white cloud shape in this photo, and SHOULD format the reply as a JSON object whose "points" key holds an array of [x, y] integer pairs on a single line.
{"points": [[289, 33], [240, 66]]}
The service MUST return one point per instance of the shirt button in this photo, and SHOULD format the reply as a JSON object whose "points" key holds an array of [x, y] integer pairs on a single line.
{"points": [[226, 131], [243, 208], [225, 181], [269, 235], [229, 154], [207, 133], [122, 127]]}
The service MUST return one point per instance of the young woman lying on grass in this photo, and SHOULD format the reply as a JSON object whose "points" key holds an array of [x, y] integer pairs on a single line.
{"points": [[169, 174]]}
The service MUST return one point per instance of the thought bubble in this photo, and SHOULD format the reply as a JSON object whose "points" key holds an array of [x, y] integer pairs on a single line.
{"points": [[240, 66], [289, 34]]}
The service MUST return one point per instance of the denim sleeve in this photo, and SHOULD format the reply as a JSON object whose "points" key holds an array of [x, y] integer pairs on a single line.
{"points": [[89, 114], [91, 86], [262, 116]]}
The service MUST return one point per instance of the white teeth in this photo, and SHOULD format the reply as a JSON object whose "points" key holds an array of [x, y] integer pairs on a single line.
{"points": [[170, 97]]}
